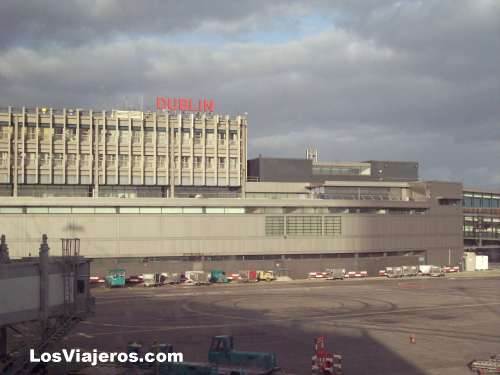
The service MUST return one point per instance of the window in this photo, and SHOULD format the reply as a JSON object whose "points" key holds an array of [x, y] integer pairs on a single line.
{"points": [[186, 135], [110, 136], [171, 210], [210, 136], [124, 136], [192, 210], [209, 162], [11, 210], [58, 160], [136, 136], [84, 135], [136, 161], [105, 210], [275, 225], [71, 134], [161, 162], [150, 210], [303, 225], [233, 137], [30, 159], [214, 210], [43, 159], [71, 160], [30, 133], [123, 161], [185, 162], [110, 160], [221, 136], [222, 163], [233, 163], [197, 162], [4, 132], [148, 137], [176, 162], [197, 136], [148, 161], [333, 225], [58, 133], [59, 210], [161, 137], [176, 134], [129, 210], [4, 158], [37, 210]]}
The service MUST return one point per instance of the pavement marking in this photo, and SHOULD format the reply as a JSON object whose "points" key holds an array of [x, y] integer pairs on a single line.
{"points": [[250, 321], [85, 335]]}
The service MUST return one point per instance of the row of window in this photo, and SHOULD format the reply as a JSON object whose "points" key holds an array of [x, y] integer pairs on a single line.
{"points": [[30, 160], [122, 210], [303, 226], [200, 257], [122, 135], [182, 210], [481, 200]]}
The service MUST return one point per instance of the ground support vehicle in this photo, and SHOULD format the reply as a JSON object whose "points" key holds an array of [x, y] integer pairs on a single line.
{"points": [[152, 279], [115, 278], [197, 277], [134, 279], [266, 276], [335, 274], [409, 271], [436, 271], [248, 276], [222, 353], [218, 276], [393, 272], [486, 366], [170, 278]]}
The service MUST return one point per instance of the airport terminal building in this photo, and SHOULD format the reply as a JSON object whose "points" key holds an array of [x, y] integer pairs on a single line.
{"points": [[171, 191]]}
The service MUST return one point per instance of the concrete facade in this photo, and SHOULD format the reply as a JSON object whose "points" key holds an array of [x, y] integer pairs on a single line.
{"points": [[96, 153], [265, 169], [172, 187], [245, 229]]}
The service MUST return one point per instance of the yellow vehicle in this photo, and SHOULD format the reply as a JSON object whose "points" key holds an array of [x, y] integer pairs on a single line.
{"points": [[266, 276]]}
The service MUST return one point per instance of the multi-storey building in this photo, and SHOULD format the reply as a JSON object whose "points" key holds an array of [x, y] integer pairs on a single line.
{"points": [[482, 222], [47, 152], [64, 172]]}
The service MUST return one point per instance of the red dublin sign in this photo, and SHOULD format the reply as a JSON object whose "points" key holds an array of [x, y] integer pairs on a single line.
{"points": [[184, 104]]}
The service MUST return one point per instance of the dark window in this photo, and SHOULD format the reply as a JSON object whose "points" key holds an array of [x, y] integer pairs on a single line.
{"points": [[80, 286]]}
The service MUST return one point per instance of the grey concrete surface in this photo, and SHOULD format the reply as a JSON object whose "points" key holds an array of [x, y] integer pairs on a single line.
{"points": [[367, 321]]}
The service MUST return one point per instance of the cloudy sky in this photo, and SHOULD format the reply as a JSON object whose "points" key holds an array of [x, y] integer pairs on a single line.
{"points": [[360, 79]]}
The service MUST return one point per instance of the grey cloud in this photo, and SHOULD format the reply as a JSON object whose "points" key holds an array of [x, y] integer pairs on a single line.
{"points": [[384, 81], [69, 22]]}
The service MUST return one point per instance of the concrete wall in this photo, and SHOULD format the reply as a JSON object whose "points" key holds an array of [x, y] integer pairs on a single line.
{"points": [[394, 170], [129, 235], [280, 170]]}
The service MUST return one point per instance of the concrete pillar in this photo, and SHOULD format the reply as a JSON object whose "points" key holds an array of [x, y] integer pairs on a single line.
{"points": [[44, 283]]}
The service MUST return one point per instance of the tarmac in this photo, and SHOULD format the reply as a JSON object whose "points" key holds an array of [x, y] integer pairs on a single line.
{"points": [[453, 319]]}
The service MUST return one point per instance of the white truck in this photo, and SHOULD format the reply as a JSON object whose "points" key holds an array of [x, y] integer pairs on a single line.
{"points": [[197, 277], [151, 279], [335, 273]]}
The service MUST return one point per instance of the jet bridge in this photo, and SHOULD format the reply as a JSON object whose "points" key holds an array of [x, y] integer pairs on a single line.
{"points": [[51, 293]]}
